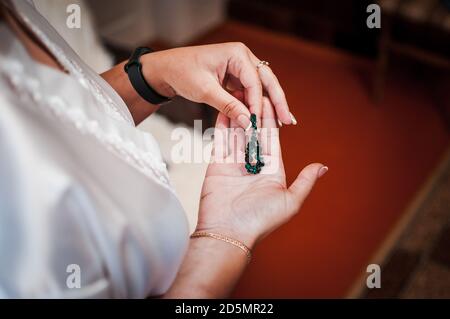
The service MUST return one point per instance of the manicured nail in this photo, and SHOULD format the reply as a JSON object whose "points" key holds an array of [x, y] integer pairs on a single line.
{"points": [[293, 119], [322, 171], [244, 122], [279, 123]]}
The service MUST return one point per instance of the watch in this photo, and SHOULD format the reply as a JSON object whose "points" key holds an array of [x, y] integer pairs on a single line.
{"points": [[134, 70]]}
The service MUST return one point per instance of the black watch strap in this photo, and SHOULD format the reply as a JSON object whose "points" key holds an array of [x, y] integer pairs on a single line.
{"points": [[134, 70]]}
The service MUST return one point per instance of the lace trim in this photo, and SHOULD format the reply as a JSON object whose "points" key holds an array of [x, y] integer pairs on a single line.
{"points": [[110, 107], [28, 89], [125, 149]]}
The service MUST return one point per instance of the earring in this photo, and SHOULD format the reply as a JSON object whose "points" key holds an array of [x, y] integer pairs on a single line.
{"points": [[252, 150]]}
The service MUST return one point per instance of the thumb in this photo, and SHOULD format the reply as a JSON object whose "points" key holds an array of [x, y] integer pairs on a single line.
{"points": [[228, 105], [303, 184]]}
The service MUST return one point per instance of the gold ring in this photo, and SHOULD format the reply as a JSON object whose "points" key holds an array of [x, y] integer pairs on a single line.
{"points": [[261, 63]]}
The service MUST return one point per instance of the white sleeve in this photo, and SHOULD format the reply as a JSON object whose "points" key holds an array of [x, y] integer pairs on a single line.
{"points": [[39, 208], [57, 214]]}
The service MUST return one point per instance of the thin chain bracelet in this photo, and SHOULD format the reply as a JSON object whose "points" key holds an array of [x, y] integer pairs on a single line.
{"points": [[226, 239]]}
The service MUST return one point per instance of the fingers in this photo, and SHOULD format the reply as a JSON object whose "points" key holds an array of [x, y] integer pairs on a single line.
{"points": [[242, 71], [270, 143], [268, 114], [273, 88], [222, 122], [228, 105], [269, 140], [276, 94], [301, 187], [238, 94], [232, 83], [237, 134], [220, 146], [242, 67]]}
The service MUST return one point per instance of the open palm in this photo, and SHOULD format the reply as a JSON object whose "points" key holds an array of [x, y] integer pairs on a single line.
{"points": [[245, 206]]}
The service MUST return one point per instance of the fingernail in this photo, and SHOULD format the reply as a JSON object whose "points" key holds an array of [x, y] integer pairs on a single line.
{"points": [[244, 122], [293, 119], [279, 123], [322, 171]]}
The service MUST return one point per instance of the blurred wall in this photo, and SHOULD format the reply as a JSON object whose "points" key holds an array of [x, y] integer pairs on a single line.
{"points": [[175, 22], [84, 40]]}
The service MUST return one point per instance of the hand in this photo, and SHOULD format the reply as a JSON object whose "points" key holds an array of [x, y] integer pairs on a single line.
{"points": [[247, 207], [206, 74]]}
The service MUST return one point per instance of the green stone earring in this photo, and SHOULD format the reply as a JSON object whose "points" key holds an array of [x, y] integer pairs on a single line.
{"points": [[252, 151]]}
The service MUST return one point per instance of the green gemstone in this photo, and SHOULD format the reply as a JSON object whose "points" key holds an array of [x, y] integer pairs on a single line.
{"points": [[252, 150]]}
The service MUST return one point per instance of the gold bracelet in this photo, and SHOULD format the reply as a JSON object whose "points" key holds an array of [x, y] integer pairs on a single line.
{"points": [[226, 239]]}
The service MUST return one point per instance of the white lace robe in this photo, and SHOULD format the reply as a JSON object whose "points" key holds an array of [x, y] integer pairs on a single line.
{"points": [[79, 184]]}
